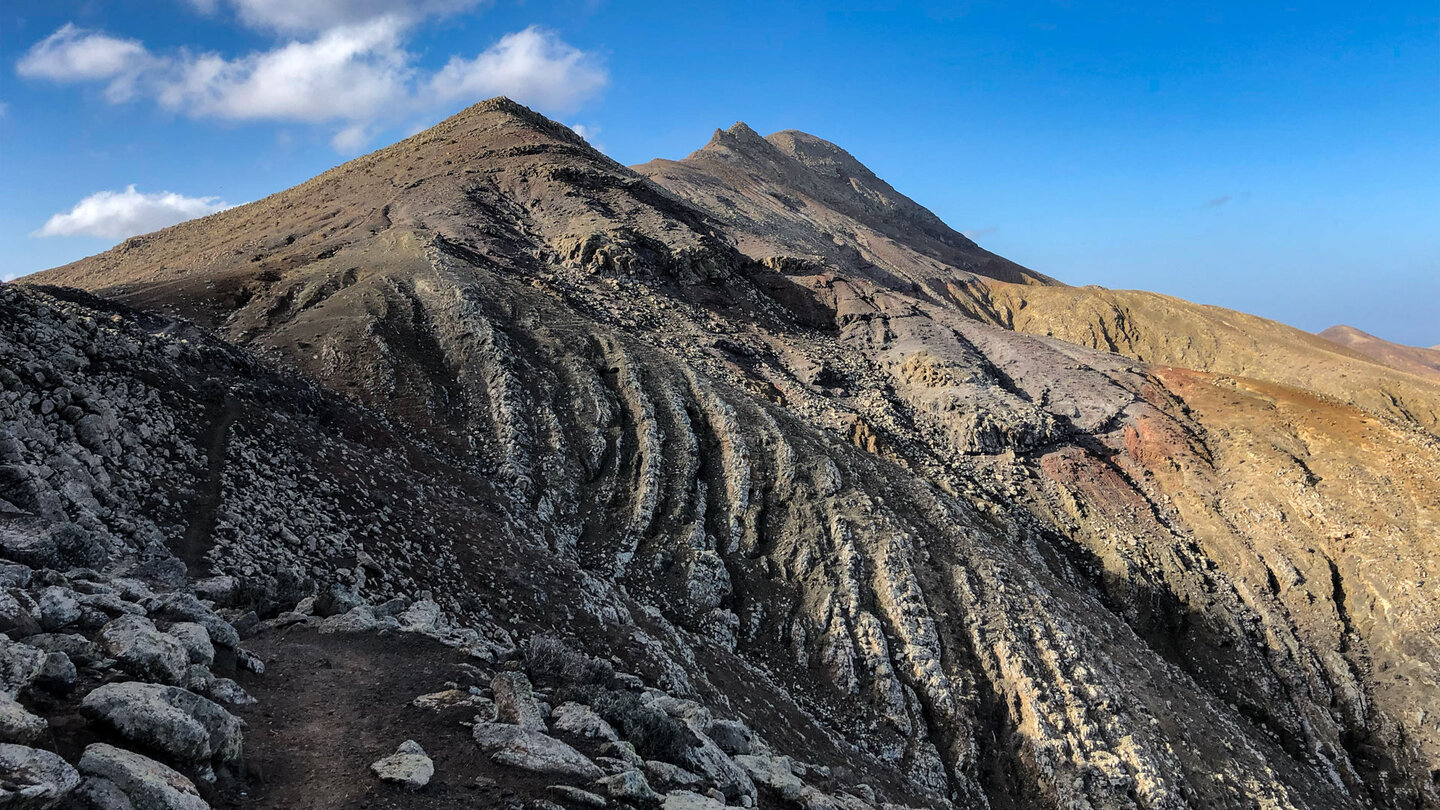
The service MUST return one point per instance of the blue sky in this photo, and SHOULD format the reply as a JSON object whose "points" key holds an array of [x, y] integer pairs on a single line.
{"points": [[1277, 158]]}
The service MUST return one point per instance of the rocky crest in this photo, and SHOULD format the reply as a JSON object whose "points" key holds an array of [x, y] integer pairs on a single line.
{"points": [[732, 481]]}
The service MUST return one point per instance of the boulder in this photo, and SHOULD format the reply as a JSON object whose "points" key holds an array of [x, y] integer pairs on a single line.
{"points": [[732, 736], [58, 673], [143, 651], [196, 641], [148, 784], [515, 701], [360, 619], [20, 665], [408, 767], [774, 773], [33, 778], [169, 719], [576, 796], [668, 776], [59, 608], [225, 690], [184, 607], [686, 800], [710, 762], [18, 725], [19, 615], [424, 616], [99, 793], [80, 650], [14, 575], [532, 751], [630, 787], [582, 721]]}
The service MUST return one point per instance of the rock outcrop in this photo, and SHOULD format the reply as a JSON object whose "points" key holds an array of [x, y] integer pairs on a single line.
{"points": [[821, 528]]}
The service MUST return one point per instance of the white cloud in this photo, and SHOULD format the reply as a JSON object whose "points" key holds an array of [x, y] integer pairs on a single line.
{"points": [[73, 54], [356, 76], [351, 140], [348, 73], [118, 214], [302, 16], [533, 66]]}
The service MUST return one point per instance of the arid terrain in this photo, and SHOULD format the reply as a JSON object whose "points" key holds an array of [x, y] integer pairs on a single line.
{"points": [[735, 480]]}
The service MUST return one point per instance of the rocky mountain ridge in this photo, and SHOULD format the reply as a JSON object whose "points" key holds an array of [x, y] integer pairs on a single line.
{"points": [[782, 495]]}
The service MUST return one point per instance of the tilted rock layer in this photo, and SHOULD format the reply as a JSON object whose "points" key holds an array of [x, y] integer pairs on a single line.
{"points": [[768, 435]]}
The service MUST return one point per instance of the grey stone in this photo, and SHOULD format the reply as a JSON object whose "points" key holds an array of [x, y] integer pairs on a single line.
{"points": [[360, 619], [774, 773], [19, 615], [408, 767], [20, 665], [196, 641], [710, 762], [666, 775], [18, 724], [33, 778], [59, 608], [14, 575], [575, 795], [629, 786], [732, 736], [167, 718], [185, 607], [80, 650], [582, 721], [58, 673], [99, 793], [515, 701], [687, 800], [225, 690], [424, 616], [532, 751], [143, 651], [148, 784]]}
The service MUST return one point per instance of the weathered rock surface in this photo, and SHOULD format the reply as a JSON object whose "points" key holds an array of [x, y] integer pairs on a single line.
{"points": [[168, 718], [533, 751], [18, 724], [833, 492], [408, 767], [32, 778], [144, 651], [147, 784]]}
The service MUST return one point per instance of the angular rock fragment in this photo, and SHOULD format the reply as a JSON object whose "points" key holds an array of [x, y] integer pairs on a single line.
{"points": [[408, 767], [515, 701]]}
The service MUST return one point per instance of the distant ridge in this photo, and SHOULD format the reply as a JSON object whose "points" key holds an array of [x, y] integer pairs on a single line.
{"points": [[1425, 362]]}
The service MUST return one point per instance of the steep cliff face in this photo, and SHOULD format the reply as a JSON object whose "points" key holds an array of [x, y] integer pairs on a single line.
{"points": [[795, 478]]}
